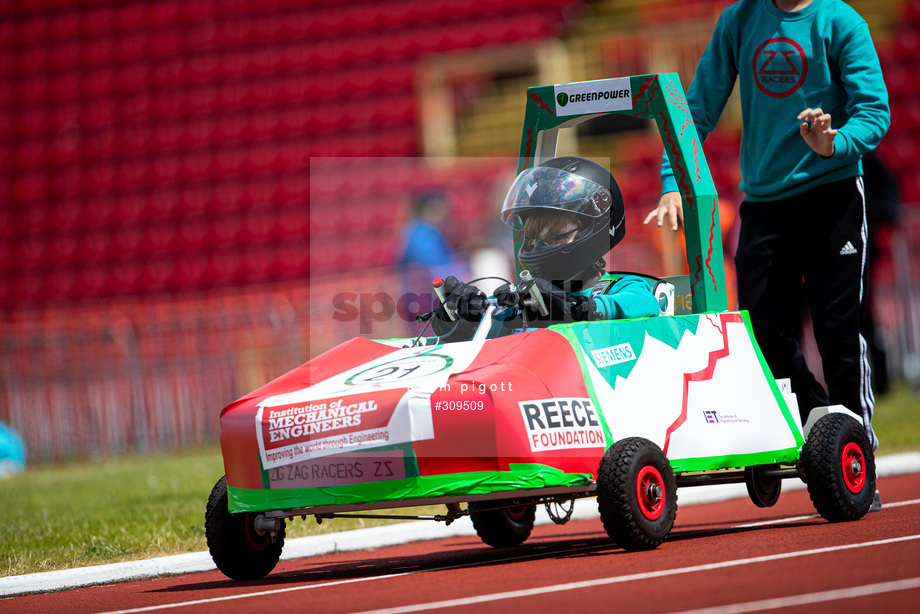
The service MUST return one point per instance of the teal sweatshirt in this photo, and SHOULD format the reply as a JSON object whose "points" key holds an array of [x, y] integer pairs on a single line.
{"points": [[786, 62]]}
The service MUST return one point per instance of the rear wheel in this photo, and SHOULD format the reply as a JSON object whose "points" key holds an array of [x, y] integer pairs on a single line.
{"points": [[839, 468], [636, 494], [502, 528], [239, 550]]}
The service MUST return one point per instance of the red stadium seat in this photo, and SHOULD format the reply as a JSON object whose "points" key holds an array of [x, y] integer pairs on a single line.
{"points": [[90, 280], [168, 135], [227, 229], [201, 100], [325, 219], [910, 188], [64, 24], [293, 186], [158, 239], [33, 28], [323, 255], [63, 283], [167, 43], [165, 167], [129, 17], [29, 153], [907, 45], [130, 78], [97, 21], [912, 14], [190, 272], [258, 259], [64, 54], [293, 257], [259, 225], [156, 273]]}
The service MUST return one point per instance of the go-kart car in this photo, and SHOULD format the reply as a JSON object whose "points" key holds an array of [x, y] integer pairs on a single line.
{"points": [[626, 411]]}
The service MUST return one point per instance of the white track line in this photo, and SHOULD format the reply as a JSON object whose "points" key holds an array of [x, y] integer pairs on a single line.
{"points": [[900, 503], [809, 598], [766, 523], [438, 605], [352, 581]]}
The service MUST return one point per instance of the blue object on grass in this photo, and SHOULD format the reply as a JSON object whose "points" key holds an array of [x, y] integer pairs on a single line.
{"points": [[12, 451]]}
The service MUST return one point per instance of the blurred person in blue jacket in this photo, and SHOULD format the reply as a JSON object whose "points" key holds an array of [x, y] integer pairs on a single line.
{"points": [[424, 242]]}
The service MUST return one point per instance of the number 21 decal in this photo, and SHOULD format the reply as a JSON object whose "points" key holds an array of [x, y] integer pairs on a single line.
{"points": [[400, 370]]}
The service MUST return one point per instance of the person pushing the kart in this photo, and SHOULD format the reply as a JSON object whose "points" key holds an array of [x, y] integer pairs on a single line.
{"points": [[805, 131], [572, 214]]}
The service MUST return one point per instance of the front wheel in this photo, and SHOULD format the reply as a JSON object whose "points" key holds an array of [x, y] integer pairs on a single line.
{"points": [[636, 494], [239, 550], [839, 468], [502, 528]]}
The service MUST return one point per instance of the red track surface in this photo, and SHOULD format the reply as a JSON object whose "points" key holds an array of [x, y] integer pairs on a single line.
{"points": [[791, 560]]}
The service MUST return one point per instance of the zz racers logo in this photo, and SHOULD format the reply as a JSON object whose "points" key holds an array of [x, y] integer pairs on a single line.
{"points": [[561, 424], [780, 67]]}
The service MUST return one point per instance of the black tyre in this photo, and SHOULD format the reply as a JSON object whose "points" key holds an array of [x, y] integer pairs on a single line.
{"points": [[502, 528], [839, 468], [238, 550], [636, 494], [763, 491]]}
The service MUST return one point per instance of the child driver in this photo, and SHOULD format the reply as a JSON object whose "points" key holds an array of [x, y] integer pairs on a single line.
{"points": [[572, 213]]}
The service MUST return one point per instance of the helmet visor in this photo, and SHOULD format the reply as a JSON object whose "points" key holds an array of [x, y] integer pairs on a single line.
{"points": [[553, 188]]}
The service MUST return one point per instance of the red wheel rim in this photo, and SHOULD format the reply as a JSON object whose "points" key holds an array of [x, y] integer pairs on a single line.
{"points": [[650, 492], [516, 513], [854, 467], [256, 541]]}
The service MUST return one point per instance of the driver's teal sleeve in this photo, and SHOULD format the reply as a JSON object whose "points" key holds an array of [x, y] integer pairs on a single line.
{"points": [[629, 297]]}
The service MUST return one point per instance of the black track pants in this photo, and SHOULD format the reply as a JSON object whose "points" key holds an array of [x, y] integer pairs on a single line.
{"points": [[818, 236]]}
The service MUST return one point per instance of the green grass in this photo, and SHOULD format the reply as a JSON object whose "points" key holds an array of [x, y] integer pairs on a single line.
{"points": [[105, 511], [118, 510], [897, 421], [136, 508]]}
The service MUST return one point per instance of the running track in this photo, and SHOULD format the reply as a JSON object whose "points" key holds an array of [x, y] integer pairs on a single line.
{"points": [[722, 557]]}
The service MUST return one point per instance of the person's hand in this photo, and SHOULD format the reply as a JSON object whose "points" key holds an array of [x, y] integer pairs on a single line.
{"points": [[669, 205], [471, 304], [553, 297], [506, 297], [557, 304], [817, 132], [584, 309], [468, 302]]}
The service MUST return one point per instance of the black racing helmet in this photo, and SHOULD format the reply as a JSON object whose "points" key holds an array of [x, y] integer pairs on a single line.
{"points": [[575, 186]]}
